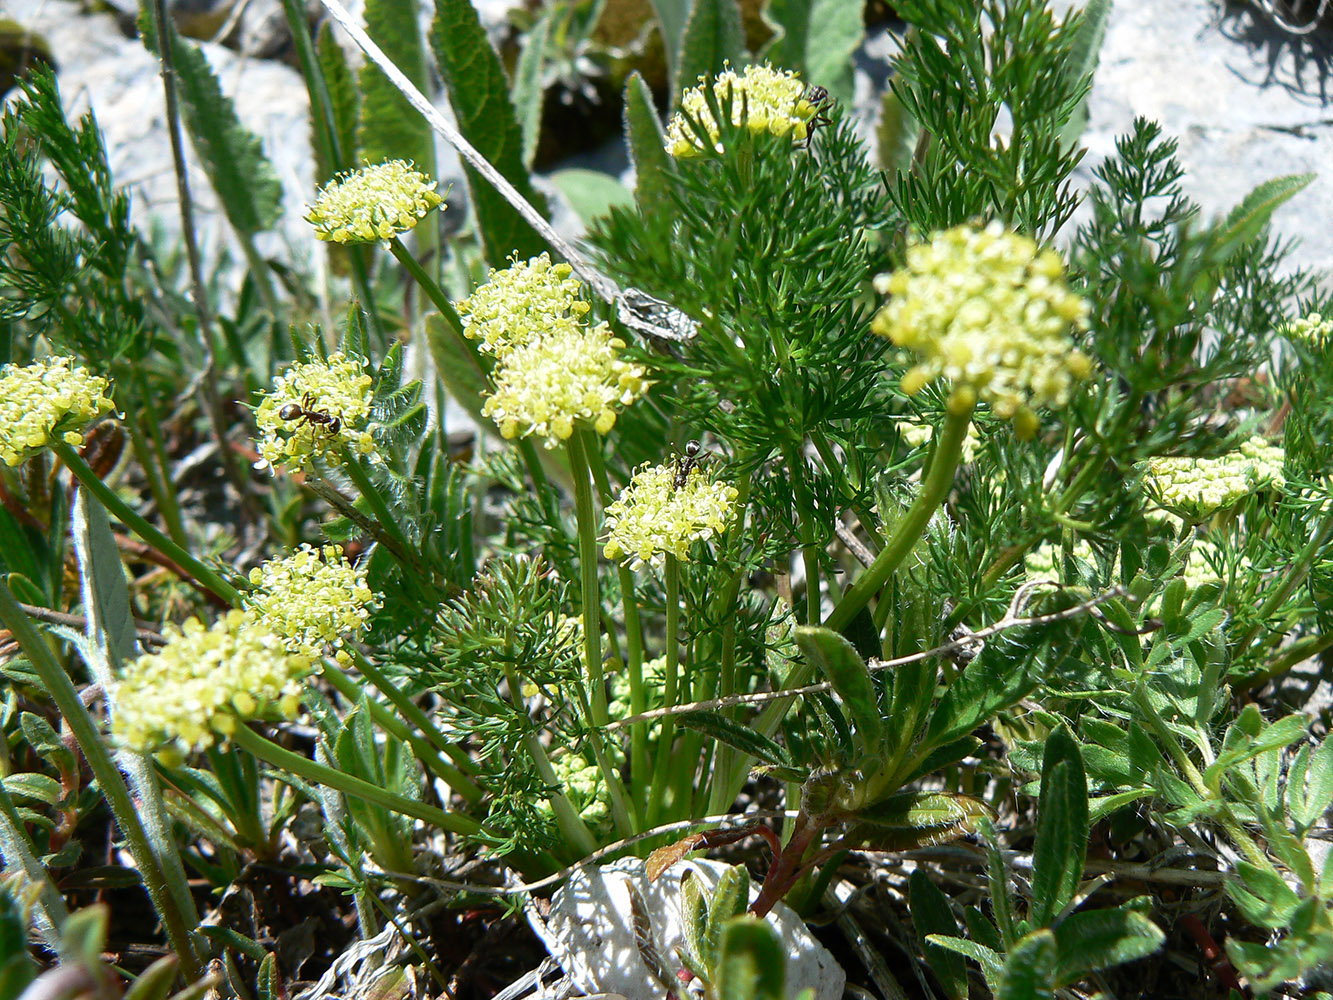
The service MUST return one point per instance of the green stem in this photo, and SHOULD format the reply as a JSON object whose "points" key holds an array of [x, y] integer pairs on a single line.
{"points": [[394, 726], [155, 462], [432, 289], [638, 702], [303, 767], [413, 713], [567, 818], [205, 576], [805, 528], [591, 596], [657, 793], [326, 136], [179, 925], [393, 535], [934, 490]]}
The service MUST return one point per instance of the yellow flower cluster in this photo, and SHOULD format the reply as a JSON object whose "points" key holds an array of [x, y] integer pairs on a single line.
{"points": [[1197, 487], [585, 788], [315, 408], [990, 311], [653, 517], [1312, 329], [762, 98], [571, 374], [553, 371], [43, 399], [373, 204], [205, 682], [310, 598], [520, 303]]}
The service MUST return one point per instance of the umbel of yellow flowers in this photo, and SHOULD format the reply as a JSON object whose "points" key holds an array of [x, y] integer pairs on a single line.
{"points": [[373, 204], [46, 399], [657, 515], [553, 371], [315, 408], [990, 311], [762, 99]]}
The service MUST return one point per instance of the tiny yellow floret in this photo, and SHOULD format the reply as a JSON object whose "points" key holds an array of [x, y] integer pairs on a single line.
{"points": [[520, 303], [204, 682], [989, 311], [762, 98], [45, 400], [315, 408], [653, 517], [311, 598], [373, 204]]}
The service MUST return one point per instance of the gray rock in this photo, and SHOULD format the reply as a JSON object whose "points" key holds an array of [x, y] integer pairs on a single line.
{"points": [[1247, 101]]}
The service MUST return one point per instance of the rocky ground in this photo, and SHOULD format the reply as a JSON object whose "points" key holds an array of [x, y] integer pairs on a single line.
{"points": [[1247, 100]]}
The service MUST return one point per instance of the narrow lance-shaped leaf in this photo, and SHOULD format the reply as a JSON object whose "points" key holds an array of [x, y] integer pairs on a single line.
{"points": [[527, 94], [479, 94], [231, 154], [712, 38], [1096, 14], [1245, 221], [646, 142], [931, 916], [1061, 844], [344, 102], [733, 734], [671, 17]]}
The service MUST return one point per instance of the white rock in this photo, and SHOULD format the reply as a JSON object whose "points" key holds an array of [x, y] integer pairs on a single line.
{"points": [[590, 931]]}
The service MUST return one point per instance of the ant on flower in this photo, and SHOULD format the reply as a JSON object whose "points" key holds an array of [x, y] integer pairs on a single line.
{"points": [[305, 411], [687, 463]]}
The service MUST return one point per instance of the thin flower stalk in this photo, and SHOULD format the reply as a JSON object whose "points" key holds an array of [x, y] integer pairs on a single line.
{"points": [[303, 767], [661, 773], [202, 574], [154, 874]]}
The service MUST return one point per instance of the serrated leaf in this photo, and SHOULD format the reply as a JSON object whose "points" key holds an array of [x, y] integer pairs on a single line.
{"points": [[752, 963], [389, 128], [818, 39], [1244, 222], [527, 94], [1090, 940], [646, 143], [232, 156], [1029, 968], [479, 95], [931, 916], [733, 734], [1061, 844], [837, 660], [591, 193], [712, 39], [344, 106]]}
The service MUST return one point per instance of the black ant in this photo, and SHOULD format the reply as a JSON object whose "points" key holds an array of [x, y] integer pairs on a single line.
{"points": [[306, 411], [818, 98], [686, 464]]}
